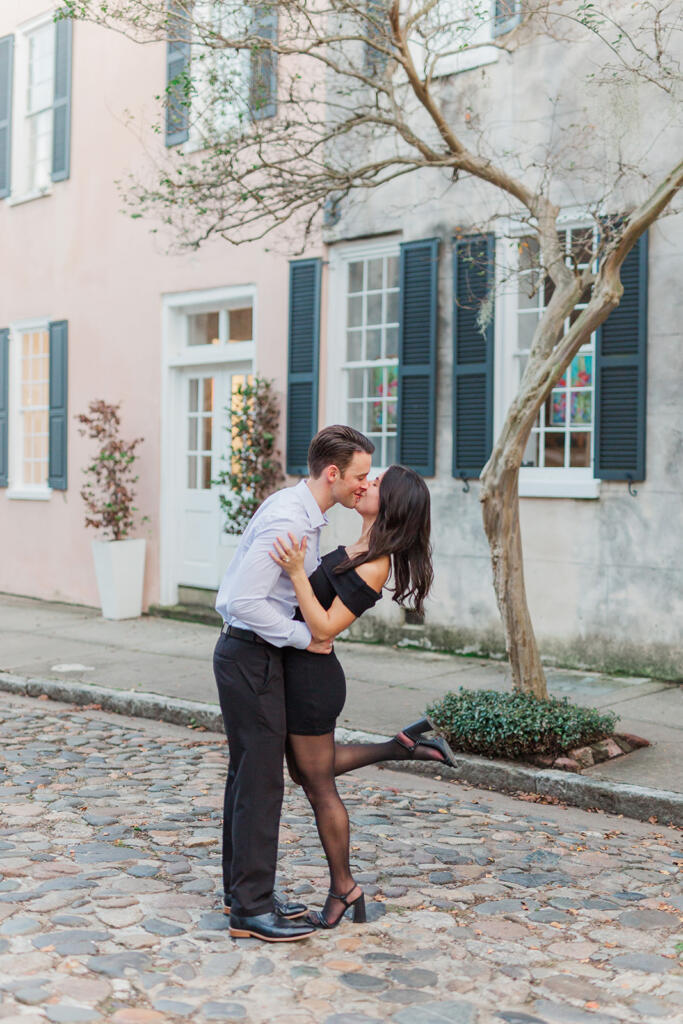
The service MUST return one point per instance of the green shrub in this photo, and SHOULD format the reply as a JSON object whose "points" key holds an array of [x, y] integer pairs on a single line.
{"points": [[516, 724]]}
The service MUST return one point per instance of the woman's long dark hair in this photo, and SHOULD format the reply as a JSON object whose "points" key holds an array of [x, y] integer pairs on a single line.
{"points": [[401, 530]]}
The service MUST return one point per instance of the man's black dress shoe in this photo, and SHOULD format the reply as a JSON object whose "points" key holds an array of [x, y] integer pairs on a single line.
{"points": [[269, 928], [282, 908]]}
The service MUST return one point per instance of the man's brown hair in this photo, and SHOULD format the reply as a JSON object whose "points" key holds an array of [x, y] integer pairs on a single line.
{"points": [[336, 446]]}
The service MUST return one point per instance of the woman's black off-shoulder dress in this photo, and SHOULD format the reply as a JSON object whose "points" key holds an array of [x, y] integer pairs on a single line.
{"points": [[315, 686]]}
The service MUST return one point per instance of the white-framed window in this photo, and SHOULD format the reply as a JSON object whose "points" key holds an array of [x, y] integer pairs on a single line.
{"points": [[29, 407], [34, 88], [367, 284], [558, 459], [453, 34], [230, 88]]}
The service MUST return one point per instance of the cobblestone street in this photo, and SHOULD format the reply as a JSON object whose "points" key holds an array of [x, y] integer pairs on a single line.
{"points": [[484, 909]]}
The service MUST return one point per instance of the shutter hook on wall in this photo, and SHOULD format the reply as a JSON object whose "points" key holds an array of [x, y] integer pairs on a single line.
{"points": [[466, 482], [631, 489]]}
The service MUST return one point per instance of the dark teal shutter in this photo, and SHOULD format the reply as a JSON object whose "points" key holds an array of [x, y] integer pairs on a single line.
{"points": [[419, 273], [61, 109], [6, 63], [473, 284], [621, 377], [59, 367], [177, 74], [263, 64], [4, 405], [303, 350]]}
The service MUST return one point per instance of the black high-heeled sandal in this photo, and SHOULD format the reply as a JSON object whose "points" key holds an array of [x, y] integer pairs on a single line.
{"points": [[317, 917], [417, 728], [442, 753]]}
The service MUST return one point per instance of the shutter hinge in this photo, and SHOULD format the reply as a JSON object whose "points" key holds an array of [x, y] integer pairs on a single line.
{"points": [[631, 489]]}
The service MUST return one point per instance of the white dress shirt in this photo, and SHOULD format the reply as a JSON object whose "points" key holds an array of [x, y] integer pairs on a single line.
{"points": [[257, 594]]}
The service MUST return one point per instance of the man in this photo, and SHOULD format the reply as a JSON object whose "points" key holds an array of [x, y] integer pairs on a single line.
{"points": [[257, 603]]}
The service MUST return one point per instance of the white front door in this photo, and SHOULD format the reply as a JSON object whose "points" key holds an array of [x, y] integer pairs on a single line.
{"points": [[203, 442]]}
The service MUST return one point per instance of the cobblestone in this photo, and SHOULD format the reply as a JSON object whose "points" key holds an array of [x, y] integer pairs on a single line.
{"points": [[482, 910]]}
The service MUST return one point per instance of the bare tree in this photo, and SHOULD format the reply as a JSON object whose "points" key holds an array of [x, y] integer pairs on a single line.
{"points": [[367, 94]]}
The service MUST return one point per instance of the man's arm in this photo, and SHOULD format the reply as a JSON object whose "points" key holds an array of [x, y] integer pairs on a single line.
{"points": [[254, 582]]}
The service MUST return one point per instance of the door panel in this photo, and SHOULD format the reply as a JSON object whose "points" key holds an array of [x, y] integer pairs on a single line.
{"points": [[202, 443]]}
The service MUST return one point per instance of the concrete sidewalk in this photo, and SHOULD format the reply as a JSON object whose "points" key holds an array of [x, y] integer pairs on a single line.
{"points": [[387, 687]]}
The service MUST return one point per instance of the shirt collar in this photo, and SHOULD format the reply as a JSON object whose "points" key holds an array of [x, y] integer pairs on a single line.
{"points": [[315, 516]]}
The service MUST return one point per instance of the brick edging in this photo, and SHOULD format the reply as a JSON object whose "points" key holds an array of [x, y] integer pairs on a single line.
{"points": [[504, 776]]}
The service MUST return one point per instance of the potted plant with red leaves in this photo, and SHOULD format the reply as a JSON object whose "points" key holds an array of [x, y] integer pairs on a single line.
{"points": [[109, 496]]}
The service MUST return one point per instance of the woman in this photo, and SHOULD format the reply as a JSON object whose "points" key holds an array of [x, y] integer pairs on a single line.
{"points": [[394, 538]]}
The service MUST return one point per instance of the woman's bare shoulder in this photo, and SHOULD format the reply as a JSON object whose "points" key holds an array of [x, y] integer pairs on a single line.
{"points": [[375, 573]]}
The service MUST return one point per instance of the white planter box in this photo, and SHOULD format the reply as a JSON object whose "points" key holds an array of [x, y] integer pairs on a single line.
{"points": [[120, 572]]}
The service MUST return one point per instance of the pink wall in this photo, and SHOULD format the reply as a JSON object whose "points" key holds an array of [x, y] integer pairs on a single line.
{"points": [[74, 255]]}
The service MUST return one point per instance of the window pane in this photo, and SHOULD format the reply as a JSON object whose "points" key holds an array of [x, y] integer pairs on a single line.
{"points": [[356, 378], [354, 346], [580, 449], [554, 448], [528, 322], [355, 277], [192, 434], [192, 472], [355, 415], [373, 343], [40, 68], [194, 394], [528, 253], [206, 433], [203, 329], [530, 457], [375, 268], [392, 272], [556, 410], [241, 325], [206, 472], [391, 316], [207, 404], [391, 342], [374, 309], [582, 372], [391, 410], [582, 246], [376, 416], [392, 382], [390, 450], [581, 407], [528, 291], [355, 312], [376, 383]]}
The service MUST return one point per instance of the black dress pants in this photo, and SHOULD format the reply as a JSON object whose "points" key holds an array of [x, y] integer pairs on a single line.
{"points": [[251, 691]]}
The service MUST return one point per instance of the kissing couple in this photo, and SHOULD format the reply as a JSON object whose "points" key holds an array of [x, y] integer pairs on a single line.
{"points": [[280, 685]]}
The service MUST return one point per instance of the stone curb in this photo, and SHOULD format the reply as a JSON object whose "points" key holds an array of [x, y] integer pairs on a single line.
{"points": [[503, 776]]}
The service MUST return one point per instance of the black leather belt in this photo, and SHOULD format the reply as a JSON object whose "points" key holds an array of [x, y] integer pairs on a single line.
{"points": [[243, 634]]}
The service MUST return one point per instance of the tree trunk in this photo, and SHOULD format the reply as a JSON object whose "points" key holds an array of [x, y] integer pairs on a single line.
{"points": [[500, 501]]}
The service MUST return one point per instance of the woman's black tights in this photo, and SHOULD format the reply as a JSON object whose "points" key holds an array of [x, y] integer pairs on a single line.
{"points": [[313, 763], [313, 760]]}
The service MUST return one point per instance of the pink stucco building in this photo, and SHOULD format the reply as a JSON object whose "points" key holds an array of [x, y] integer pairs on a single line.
{"points": [[94, 306]]}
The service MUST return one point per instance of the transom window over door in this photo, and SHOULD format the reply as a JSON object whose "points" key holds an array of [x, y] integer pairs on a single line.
{"points": [[562, 437], [371, 368], [220, 327]]}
